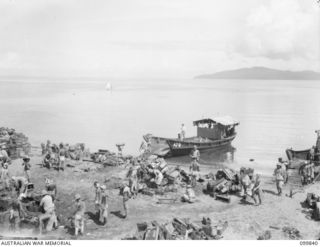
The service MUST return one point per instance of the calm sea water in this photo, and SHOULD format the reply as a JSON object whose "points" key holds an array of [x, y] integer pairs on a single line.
{"points": [[273, 115]]}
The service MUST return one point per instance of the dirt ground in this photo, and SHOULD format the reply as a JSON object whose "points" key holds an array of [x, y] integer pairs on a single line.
{"points": [[245, 221]]}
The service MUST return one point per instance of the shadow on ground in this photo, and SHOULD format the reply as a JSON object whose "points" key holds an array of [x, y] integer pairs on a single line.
{"points": [[270, 192], [118, 214]]}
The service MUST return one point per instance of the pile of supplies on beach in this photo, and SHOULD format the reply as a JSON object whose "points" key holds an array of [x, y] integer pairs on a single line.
{"points": [[222, 183], [108, 158], [180, 229], [154, 176], [16, 144]]}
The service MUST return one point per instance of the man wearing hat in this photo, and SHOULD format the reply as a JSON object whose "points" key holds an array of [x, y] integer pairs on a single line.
{"points": [[48, 145], [4, 157], [133, 182], [4, 175], [189, 196], [284, 166], [3, 152], [62, 156], [79, 215], [303, 172], [256, 190], [195, 154], [97, 198], [43, 148], [282, 163], [103, 216], [51, 188], [308, 172], [311, 172], [26, 167], [195, 169], [126, 194], [312, 153], [183, 132], [48, 210], [280, 175], [48, 159], [244, 182]]}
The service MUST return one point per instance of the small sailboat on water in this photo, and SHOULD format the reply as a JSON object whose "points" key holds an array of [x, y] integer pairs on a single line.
{"points": [[108, 86]]}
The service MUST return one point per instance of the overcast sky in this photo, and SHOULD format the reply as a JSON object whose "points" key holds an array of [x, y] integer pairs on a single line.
{"points": [[156, 38]]}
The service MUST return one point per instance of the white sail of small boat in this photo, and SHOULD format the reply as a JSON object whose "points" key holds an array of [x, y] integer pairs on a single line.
{"points": [[108, 86]]}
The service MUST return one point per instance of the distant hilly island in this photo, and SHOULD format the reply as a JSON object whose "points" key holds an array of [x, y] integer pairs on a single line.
{"points": [[262, 73]]}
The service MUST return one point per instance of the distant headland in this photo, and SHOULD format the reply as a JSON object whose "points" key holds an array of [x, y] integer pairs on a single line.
{"points": [[262, 73]]}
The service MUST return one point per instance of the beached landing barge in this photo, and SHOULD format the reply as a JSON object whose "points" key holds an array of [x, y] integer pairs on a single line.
{"points": [[212, 133], [295, 157]]}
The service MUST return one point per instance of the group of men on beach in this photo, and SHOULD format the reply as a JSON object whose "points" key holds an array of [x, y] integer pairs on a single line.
{"points": [[307, 172], [7, 180], [101, 200], [251, 184], [48, 218], [21, 188], [55, 155]]}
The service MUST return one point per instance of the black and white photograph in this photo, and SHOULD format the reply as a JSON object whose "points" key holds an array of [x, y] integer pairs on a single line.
{"points": [[159, 120]]}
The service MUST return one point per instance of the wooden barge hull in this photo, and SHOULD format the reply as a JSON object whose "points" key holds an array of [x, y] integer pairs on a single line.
{"points": [[168, 147], [179, 148]]}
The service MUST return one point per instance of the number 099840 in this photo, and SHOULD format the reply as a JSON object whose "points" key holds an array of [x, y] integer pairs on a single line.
{"points": [[308, 243]]}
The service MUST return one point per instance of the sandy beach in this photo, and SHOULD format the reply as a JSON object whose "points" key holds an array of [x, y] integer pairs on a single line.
{"points": [[245, 221]]}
